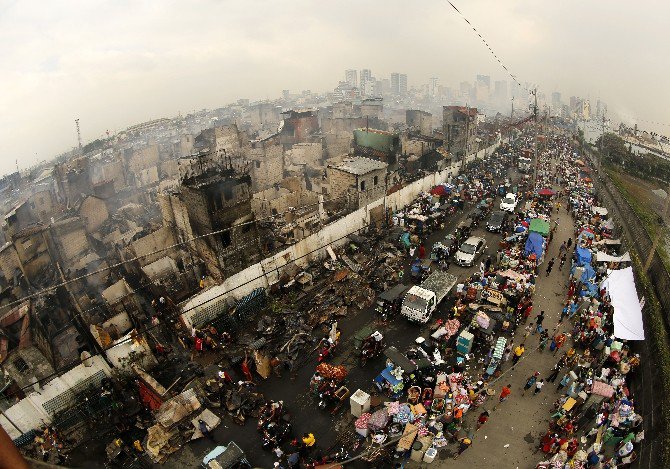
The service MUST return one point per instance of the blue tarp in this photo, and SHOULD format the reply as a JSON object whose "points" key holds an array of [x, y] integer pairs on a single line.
{"points": [[589, 273], [404, 238], [583, 256], [535, 244]]}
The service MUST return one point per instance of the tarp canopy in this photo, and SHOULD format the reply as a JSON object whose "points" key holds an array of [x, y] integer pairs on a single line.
{"points": [[604, 257], [583, 256], [534, 244], [588, 273], [620, 285], [537, 225]]}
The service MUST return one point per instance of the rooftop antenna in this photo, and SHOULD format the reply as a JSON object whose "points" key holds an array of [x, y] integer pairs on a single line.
{"points": [[76, 122]]}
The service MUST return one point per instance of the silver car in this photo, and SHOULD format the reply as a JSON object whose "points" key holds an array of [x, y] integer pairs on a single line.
{"points": [[470, 250]]}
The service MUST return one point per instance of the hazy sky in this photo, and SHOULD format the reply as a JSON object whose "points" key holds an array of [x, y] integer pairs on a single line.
{"points": [[116, 63]]}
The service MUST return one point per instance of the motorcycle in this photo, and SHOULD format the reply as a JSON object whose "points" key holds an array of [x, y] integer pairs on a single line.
{"points": [[372, 347], [327, 349]]}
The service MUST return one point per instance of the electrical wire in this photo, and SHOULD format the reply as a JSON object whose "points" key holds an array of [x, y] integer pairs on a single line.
{"points": [[485, 43], [179, 313], [158, 251]]}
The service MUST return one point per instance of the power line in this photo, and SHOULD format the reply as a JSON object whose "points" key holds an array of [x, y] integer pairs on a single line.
{"points": [[485, 43], [178, 313], [173, 246]]}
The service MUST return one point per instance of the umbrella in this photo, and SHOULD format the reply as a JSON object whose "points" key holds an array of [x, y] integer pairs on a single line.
{"points": [[546, 191], [580, 162]]}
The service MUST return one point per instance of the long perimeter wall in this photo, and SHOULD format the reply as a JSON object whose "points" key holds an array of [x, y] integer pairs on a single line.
{"points": [[211, 302]]}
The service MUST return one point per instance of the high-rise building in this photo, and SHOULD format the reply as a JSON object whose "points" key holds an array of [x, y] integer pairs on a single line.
{"points": [[399, 83], [402, 84], [395, 83], [366, 74], [483, 88], [351, 77], [556, 101]]}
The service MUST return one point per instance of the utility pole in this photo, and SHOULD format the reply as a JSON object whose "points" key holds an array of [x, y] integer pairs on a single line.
{"points": [[467, 131], [76, 122], [535, 150]]}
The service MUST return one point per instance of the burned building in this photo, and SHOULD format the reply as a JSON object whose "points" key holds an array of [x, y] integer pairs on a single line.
{"points": [[215, 201], [266, 162], [357, 181], [298, 126], [419, 121], [460, 126]]}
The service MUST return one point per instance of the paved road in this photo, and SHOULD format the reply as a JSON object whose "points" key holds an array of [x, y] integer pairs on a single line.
{"points": [[521, 420], [305, 415]]}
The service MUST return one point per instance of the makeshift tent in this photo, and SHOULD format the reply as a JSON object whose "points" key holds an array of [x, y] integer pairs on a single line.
{"points": [[583, 256], [620, 285], [604, 257], [440, 190], [537, 225], [587, 274], [534, 244]]}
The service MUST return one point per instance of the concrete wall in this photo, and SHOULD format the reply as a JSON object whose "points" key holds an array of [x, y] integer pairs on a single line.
{"points": [[267, 167], [9, 262], [31, 412], [159, 239], [93, 213], [310, 249], [309, 154]]}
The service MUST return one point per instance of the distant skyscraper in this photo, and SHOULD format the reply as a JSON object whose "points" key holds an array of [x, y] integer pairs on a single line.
{"points": [[351, 77], [399, 83], [366, 74], [395, 83], [556, 102], [483, 88], [286, 95]]}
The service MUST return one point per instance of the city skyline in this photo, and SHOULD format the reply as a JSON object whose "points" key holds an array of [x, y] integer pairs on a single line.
{"points": [[111, 70]]}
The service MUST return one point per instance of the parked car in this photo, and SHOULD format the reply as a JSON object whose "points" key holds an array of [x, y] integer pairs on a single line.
{"points": [[508, 204], [472, 248], [496, 220]]}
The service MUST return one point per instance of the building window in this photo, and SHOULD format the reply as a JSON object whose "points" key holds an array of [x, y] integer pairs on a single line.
{"points": [[362, 185], [228, 193], [20, 365], [225, 238], [375, 180]]}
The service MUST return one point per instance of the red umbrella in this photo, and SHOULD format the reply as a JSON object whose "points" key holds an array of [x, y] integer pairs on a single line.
{"points": [[439, 190], [546, 191]]}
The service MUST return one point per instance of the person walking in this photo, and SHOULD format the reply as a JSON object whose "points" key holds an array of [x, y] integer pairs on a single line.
{"points": [[518, 352], [565, 380], [544, 338], [530, 382], [563, 257], [463, 444], [483, 418], [538, 320], [505, 392], [563, 249], [569, 242], [554, 373], [550, 265], [538, 386]]}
